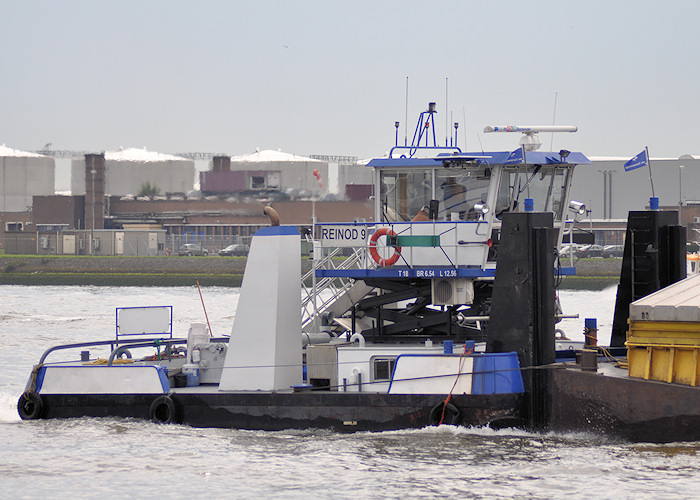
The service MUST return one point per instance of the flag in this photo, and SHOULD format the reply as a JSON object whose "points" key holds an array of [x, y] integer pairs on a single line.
{"points": [[638, 161]]}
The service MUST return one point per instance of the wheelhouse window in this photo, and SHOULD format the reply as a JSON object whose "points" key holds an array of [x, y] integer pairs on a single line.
{"points": [[459, 189], [404, 193], [382, 368], [545, 184]]}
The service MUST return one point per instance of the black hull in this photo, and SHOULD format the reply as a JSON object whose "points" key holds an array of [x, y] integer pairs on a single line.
{"points": [[631, 409], [279, 411]]}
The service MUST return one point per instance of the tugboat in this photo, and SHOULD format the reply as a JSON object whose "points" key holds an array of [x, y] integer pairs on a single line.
{"points": [[437, 311]]}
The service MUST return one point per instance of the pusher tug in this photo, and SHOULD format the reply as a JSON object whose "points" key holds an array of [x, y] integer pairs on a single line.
{"points": [[442, 310]]}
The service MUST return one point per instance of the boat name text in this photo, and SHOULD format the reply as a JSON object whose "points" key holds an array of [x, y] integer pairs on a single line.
{"points": [[343, 236]]}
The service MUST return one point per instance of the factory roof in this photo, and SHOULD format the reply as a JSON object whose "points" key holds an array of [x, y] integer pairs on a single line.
{"points": [[269, 155], [140, 155], [5, 152]]}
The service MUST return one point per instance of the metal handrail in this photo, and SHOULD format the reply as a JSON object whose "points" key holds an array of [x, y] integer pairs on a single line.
{"points": [[121, 345], [329, 283], [73, 346]]}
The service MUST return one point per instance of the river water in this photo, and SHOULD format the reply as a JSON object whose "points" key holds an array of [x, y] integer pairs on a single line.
{"points": [[111, 458]]}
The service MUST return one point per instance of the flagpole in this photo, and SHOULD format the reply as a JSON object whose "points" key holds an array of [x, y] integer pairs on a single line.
{"points": [[650, 179]]}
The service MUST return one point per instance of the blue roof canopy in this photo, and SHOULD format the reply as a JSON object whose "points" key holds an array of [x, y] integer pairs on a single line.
{"points": [[508, 158]]}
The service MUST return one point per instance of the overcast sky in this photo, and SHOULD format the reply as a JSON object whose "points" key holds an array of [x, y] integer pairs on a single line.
{"points": [[329, 77]]}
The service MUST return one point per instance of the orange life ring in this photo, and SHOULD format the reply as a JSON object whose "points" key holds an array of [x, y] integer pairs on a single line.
{"points": [[384, 231]]}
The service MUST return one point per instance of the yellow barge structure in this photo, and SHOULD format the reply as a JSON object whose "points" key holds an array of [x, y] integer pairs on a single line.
{"points": [[663, 341]]}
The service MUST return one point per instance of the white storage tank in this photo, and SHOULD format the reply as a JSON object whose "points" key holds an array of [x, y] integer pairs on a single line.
{"points": [[127, 170], [22, 176]]}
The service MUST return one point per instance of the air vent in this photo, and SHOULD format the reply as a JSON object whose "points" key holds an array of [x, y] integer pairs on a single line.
{"points": [[442, 291]]}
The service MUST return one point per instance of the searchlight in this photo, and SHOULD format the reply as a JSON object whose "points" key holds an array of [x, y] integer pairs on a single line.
{"points": [[577, 207]]}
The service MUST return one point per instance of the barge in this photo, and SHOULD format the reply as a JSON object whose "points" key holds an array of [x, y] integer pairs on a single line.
{"points": [[442, 310]]}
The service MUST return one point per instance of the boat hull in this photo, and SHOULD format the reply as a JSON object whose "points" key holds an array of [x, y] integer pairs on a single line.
{"points": [[303, 410], [636, 410]]}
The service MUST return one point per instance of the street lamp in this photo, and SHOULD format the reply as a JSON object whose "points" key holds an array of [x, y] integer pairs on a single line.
{"points": [[680, 192]]}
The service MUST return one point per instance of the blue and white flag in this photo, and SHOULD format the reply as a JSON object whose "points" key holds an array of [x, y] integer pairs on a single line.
{"points": [[638, 161]]}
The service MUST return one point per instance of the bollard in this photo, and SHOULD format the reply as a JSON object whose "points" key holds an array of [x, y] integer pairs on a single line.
{"points": [[590, 333], [589, 360], [448, 346]]}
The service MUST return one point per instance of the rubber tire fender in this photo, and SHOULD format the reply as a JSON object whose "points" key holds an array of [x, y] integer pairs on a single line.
{"points": [[163, 410], [452, 414], [30, 406]]}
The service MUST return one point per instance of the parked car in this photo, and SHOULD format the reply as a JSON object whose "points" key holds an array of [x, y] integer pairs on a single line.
{"points": [[590, 251], [610, 251], [191, 249], [568, 250], [237, 249]]}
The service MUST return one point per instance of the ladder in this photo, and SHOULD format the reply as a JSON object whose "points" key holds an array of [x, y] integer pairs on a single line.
{"points": [[334, 296]]}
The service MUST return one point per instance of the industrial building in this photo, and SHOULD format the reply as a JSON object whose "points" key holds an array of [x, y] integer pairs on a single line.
{"points": [[610, 192], [234, 190], [127, 171], [296, 176]]}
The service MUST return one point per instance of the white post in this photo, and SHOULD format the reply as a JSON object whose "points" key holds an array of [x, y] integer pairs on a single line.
{"points": [[315, 248]]}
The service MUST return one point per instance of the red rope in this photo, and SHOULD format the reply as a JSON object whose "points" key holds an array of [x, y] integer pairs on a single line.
{"points": [[459, 372], [205, 308]]}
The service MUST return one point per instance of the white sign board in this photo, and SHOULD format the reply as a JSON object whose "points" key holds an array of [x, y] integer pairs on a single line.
{"points": [[149, 321], [343, 235]]}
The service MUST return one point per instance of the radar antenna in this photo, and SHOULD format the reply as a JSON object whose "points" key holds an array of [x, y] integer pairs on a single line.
{"points": [[530, 140]]}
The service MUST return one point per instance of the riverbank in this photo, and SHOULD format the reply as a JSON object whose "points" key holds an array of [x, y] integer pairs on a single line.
{"points": [[591, 274], [121, 271]]}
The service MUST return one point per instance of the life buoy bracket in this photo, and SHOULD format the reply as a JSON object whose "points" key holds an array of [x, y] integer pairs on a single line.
{"points": [[383, 231]]}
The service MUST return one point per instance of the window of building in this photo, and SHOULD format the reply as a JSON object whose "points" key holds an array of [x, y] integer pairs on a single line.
{"points": [[273, 180], [257, 182]]}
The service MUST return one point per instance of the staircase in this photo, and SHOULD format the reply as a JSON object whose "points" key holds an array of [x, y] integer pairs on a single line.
{"points": [[334, 296]]}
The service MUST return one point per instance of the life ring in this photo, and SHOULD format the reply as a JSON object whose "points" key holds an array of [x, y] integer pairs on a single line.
{"points": [[30, 406], [164, 410], [452, 414], [384, 231]]}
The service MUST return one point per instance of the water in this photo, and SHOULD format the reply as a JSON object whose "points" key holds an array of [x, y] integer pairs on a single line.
{"points": [[106, 457]]}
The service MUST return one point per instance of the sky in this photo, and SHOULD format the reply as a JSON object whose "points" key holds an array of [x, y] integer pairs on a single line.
{"points": [[332, 77]]}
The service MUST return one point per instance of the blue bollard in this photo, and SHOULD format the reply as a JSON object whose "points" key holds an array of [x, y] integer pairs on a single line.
{"points": [[448, 346], [590, 332]]}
